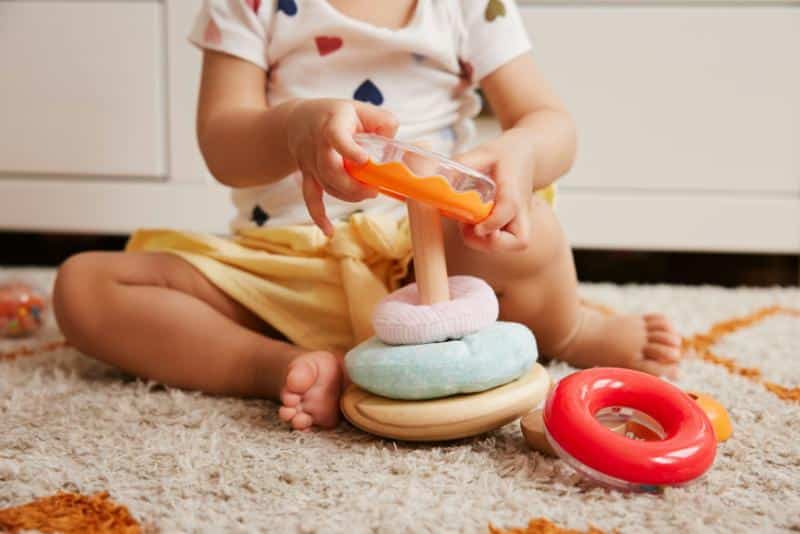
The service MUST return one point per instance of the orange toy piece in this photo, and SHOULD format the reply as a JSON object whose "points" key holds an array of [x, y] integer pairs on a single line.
{"points": [[409, 172], [396, 180], [717, 414]]}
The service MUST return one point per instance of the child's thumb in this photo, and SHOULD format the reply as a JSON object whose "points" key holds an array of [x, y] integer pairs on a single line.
{"points": [[478, 159]]}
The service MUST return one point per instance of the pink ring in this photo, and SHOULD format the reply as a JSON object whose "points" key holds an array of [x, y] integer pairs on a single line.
{"points": [[399, 319]]}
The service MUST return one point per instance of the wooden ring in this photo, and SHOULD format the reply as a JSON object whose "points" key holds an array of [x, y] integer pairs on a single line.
{"points": [[453, 417]]}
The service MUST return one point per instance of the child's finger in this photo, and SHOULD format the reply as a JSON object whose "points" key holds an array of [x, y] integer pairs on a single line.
{"points": [[344, 186], [520, 227], [502, 241], [312, 194], [502, 214], [473, 241], [377, 120], [497, 241], [339, 133]]}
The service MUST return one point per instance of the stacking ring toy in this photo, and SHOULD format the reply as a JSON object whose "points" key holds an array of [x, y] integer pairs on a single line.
{"points": [[400, 379], [686, 451], [407, 171], [401, 319]]}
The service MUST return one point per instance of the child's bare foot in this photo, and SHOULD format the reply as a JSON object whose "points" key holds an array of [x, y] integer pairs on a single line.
{"points": [[648, 343], [310, 396]]}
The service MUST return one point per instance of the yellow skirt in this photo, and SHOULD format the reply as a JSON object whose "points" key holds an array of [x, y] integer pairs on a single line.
{"points": [[317, 291]]}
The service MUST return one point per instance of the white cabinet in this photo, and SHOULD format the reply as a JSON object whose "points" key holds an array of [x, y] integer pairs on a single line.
{"points": [[688, 117], [82, 89], [689, 120], [676, 98], [97, 119]]}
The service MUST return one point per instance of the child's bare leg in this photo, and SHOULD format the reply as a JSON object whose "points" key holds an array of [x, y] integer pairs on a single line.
{"points": [[156, 316], [538, 287]]}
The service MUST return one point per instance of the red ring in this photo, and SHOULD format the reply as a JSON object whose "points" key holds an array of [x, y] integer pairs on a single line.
{"points": [[686, 452]]}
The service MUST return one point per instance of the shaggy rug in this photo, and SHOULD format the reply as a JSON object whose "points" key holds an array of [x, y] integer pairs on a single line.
{"points": [[185, 462]]}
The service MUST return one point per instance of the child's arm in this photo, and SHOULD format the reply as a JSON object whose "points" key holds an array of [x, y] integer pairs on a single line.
{"points": [[529, 110], [244, 142], [536, 148], [247, 143]]}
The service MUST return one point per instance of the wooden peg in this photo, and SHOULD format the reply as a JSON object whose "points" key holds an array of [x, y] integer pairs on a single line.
{"points": [[427, 239], [430, 264]]}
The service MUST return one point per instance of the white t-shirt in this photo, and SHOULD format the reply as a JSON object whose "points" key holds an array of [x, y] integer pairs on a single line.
{"points": [[425, 73]]}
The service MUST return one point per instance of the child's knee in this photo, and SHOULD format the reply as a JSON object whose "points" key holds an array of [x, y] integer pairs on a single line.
{"points": [[73, 291], [78, 271]]}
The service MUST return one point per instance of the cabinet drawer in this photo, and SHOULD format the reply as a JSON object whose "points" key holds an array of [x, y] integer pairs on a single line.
{"points": [[83, 90], [677, 98]]}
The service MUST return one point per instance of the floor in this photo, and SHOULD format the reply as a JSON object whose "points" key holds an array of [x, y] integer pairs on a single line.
{"points": [[184, 462]]}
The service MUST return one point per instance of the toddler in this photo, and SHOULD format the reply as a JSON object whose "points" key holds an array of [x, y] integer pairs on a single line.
{"points": [[270, 311]]}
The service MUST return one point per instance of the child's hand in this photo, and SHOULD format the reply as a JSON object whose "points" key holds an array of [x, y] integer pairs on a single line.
{"points": [[509, 161], [320, 133]]}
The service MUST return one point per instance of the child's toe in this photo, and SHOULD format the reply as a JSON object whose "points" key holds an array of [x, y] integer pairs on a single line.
{"points": [[656, 321], [661, 337], [657, 368], [301, 421], [286, 413], [290, 399], [661, 353], [302, 375]]}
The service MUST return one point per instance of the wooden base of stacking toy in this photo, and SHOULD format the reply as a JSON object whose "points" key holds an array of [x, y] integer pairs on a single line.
{"points": [[449, 418]]}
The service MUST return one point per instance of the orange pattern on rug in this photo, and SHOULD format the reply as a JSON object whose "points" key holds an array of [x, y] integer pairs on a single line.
{"points": [[26, 350], [73, 513], [701, 345], [68, 513], [541, 525]]}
